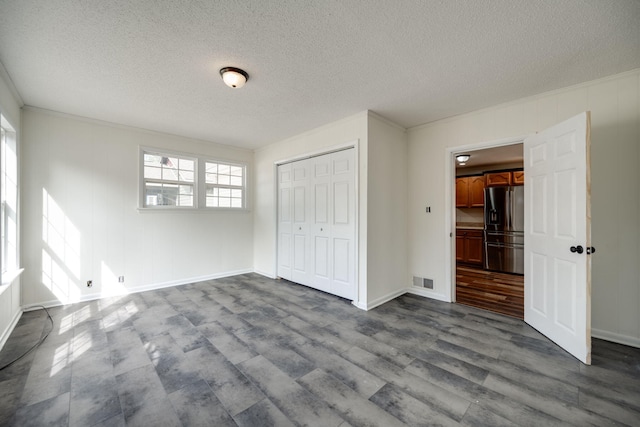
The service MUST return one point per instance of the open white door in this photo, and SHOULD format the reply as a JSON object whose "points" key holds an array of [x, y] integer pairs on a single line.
{"points": [[558, 235]]}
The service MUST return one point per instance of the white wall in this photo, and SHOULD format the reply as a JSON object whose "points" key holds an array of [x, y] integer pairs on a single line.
{"points": [[387, 209], [614, 103], [10, 295], [347, 130], [90, 170]]}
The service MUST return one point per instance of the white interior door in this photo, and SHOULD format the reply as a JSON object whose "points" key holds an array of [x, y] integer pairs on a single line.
{"points": [[300, 271], [284, 221], [558, 235], [320, 223], [317, 223], [343, 227]]}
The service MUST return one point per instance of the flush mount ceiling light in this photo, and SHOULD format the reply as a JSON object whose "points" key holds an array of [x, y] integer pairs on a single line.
{"points": [[234, 77], [462, 159]]}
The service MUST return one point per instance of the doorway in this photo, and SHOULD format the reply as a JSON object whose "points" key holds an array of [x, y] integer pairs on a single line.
{"points": [[489, 263]]}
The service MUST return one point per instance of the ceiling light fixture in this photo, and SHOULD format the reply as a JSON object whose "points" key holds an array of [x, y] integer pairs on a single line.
{"points": [[462, 159], [234, 77]]}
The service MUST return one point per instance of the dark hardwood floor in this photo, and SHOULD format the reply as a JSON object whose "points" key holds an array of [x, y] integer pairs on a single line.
{"points": [[498, 292]]}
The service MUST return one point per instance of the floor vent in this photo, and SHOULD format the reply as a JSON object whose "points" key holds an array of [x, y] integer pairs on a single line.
{"points": [[422, 282]]}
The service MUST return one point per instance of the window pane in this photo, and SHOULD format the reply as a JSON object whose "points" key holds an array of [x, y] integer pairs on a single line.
{"points": [[152, 160], [212, 178], [169, 174], [224, 179], [224, 192], [236, 180], [212, 202], [236, 203], [186, 165], [236, 194], [236, 171], [225, 203], [186, 176], [224, 169], [184, 200], [152, 172], [211, 167]]}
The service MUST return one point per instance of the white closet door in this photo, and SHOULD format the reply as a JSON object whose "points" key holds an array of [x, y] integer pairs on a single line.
{"points": [[343, 226], [300, 222], [321, 223], [317, 223], [285, 224]]}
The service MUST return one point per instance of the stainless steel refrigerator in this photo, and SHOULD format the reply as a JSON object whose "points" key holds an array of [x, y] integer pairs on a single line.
{"points": [[504, 229]]}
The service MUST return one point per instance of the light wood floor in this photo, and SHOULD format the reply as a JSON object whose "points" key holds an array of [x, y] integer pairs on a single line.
{"points": [[498, 292]]}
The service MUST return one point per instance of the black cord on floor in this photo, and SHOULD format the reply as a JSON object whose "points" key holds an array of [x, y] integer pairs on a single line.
{"points": [[36, 345]]}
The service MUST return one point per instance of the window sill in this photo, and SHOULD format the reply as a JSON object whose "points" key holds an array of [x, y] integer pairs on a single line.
{"points": [[8, 278], [192, 210]]}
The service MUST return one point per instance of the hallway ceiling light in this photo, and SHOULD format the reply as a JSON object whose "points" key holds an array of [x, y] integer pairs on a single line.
{"points": [[234, 77], [462, 159]]}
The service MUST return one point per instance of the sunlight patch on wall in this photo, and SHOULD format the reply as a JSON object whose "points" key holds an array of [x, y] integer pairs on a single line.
{"points": [[61, 252], [110, 285]]}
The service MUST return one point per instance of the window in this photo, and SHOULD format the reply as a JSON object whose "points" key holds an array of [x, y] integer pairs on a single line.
{"points": [[224, 185], [172, 180], [8, 197], [169, 180]]}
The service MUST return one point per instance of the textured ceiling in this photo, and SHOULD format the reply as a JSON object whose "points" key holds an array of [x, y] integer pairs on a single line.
{"points": [[154, 64]]}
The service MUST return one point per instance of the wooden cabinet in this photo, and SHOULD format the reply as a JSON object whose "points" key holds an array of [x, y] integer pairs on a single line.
{"points": [[462, 192], [517, 177], [497, 179], [470, 192], [503, 178], [470, 246]]}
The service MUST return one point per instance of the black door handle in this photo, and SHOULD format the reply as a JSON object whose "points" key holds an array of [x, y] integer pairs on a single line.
{"points": [[578, 249], [590, 250]]}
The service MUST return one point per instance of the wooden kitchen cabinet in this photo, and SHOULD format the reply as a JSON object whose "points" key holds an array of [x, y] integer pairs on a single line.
{"points": [[462, 192], [470, 192], [470, 246], [497, 179], [504, 178], [517, 177]]}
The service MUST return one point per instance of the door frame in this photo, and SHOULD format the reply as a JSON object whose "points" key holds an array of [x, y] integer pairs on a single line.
{"points": [[450, 201], [354, 144]]}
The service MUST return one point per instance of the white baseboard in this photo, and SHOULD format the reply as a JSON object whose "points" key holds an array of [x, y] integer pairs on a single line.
{"points": [[137, 289], [617, 338], [429, 294], [7, 332], [379, 301]]}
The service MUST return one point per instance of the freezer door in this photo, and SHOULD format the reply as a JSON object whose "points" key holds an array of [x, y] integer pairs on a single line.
{"points": [[506, 258]]}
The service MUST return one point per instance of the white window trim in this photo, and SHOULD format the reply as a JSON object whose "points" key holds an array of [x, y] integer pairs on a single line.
{"points": [[199, 184], [203, 180], [10, 272]]}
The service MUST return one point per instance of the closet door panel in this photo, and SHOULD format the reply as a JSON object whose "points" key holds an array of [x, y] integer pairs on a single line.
{"points": [[343, 224], [300, 250], [320, 227], [284, 221]]}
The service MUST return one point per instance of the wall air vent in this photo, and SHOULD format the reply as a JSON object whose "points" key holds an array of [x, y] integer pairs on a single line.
{"points": [[422, 282]]}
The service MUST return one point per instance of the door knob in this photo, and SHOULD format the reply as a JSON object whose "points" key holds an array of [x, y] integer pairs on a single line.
{"points": [[578, 249], [590, 250]]}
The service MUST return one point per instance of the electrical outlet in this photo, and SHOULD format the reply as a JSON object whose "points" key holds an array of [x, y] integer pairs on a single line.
{"points": [[89, 283], [121, 279]]}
